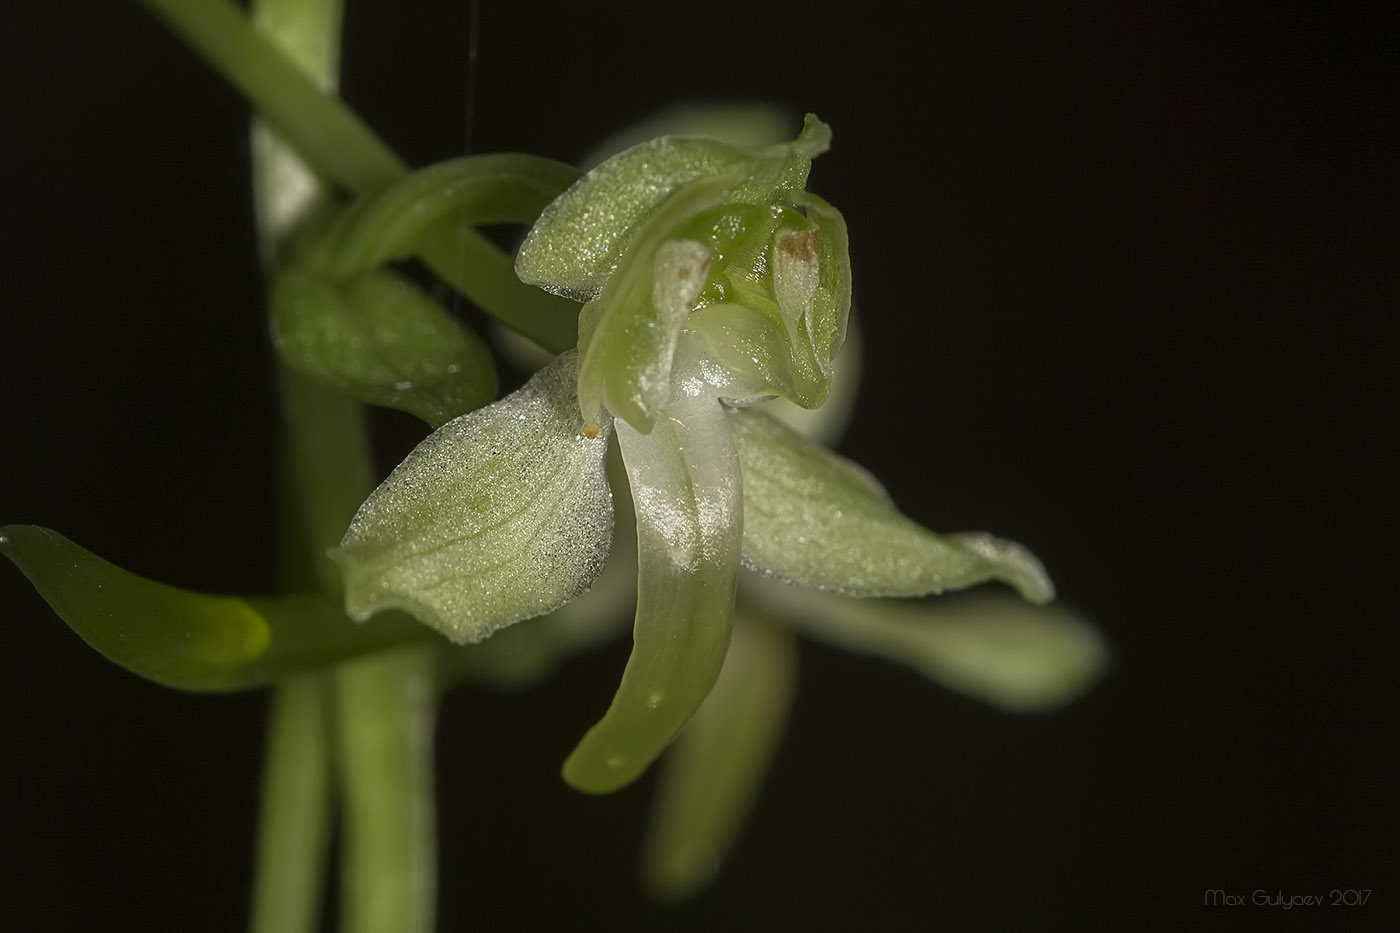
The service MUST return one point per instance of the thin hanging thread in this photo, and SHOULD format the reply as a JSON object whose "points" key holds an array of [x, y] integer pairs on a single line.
{"points": [[473, 25], [472, 29]]}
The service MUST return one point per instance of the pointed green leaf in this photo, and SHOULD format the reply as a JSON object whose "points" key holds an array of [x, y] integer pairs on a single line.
{"points": [[816, 519], [684, 485], [712, 776], [994, 647], [378, 339], [187, 640], [582, 236], [499, 515]]}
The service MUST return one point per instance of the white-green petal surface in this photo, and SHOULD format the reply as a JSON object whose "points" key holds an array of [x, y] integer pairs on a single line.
{"points": [[627, 337], [816, 519], [500, 515], [684, 476]]}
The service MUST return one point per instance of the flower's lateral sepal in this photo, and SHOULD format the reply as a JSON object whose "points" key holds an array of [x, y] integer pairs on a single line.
{"points": [[521, 655], [500, 515], [684, 479], [816, 519]]}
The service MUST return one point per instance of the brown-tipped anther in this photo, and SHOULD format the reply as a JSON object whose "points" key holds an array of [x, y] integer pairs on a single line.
{"points": [[801, 245]]}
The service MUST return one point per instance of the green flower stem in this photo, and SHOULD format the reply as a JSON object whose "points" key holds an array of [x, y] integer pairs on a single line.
{"points": [[472, 264], [384, 704], [293, 826], [331, 465], [338, 146], [285, 188], [294, 820], [386, 711], [383, 707], [327, 134]]}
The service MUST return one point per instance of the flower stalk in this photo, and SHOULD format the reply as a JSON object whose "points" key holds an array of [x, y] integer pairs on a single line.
{"points": [[380, 709]]}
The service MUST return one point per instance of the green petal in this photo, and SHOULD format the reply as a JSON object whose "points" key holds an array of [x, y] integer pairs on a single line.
{"points": [[712, 776], [684, 478], [827, 424], [581, 237], [498, 516], [785, 311], [627, 337], [378, 339], [816, 519], [186, 640], [752, 352], [826, 318], [994, 647]]}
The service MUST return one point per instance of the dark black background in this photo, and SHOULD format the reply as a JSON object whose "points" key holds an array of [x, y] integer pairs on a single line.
{"points": [[1125, 275]]}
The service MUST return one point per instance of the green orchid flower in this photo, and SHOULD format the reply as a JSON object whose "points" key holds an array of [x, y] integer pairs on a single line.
{"points": [[714, 284]]}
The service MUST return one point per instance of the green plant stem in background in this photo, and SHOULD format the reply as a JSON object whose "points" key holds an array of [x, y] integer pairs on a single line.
{"points": [[338, 146], [294, 821], [284, 83], [330, 474], [293, 825], [386, 710], [384, 705]]}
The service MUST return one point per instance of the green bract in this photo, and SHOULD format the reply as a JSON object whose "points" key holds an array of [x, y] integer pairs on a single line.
{"points": [[713, 280], [377, 338], [342, 318]]}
